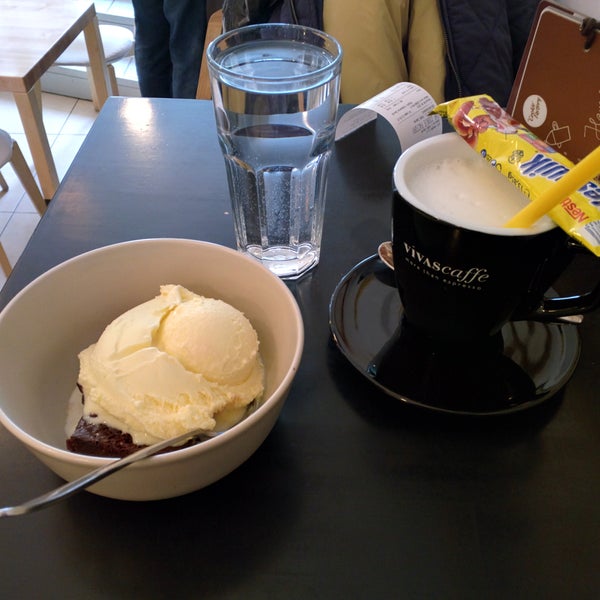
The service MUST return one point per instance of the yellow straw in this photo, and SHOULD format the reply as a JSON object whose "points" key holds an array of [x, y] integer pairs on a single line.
{"points": [[585, 170]]}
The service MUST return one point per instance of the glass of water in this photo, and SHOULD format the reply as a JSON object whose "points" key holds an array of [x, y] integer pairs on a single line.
{"points": [[275, 89]]}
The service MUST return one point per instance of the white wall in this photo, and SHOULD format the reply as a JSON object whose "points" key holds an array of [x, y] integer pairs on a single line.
{"points": [[590, 8]]}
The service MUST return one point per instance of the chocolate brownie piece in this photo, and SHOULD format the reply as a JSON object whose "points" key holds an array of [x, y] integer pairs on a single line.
{"points": [[98, 439]]}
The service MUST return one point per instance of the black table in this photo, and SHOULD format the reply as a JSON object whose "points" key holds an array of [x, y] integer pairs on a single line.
{"points": [[353, 495]]}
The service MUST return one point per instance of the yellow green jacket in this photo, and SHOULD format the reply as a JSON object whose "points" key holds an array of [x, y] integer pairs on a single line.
{"points": [[387, 41]]}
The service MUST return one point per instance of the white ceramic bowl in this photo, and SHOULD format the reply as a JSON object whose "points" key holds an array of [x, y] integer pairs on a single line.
{"points": [[64, 310]]}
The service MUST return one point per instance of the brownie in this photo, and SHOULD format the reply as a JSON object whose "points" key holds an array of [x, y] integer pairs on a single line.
{"points": [[98, 439]]}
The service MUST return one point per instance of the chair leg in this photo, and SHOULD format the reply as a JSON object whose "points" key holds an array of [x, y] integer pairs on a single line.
{"points": [[26, 178], [112, 78], [213, 30], [4, 264], [3, 184], [94, 99], [37, 89]]}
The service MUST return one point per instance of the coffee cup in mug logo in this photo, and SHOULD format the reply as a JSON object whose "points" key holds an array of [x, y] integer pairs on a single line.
{"points": [[460, 274]]}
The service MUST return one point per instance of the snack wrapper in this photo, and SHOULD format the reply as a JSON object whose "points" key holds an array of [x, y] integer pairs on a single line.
{"points": [[529, 163]]}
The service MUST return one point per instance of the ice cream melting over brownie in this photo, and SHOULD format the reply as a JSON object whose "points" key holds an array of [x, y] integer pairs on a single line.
{"points": [[177, 362]]}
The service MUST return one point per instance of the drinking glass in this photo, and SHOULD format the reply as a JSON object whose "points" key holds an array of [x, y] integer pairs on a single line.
{"points": [[275, 89]]}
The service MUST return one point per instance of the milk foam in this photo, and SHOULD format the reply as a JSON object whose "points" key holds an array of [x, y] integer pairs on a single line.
{"points": [[469, 192]]}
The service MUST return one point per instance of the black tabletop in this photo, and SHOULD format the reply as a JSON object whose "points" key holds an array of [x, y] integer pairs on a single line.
{"points": [[353, 494]]}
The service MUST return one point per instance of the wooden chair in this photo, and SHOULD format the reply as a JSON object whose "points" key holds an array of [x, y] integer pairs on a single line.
{"points": [[213, 30], [11, 153], [4, 262], [117, 41]]}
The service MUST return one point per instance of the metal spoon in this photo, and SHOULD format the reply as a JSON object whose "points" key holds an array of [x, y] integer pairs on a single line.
{"points": [[385, 254], [69, 489]]}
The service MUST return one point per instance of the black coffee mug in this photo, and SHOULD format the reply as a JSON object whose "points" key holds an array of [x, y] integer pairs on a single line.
{"points": [[461, 284]]}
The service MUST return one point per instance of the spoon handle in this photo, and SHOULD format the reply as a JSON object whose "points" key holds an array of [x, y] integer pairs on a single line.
{"points": [[68, 489]]}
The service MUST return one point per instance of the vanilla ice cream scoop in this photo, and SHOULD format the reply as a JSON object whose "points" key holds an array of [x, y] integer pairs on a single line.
{"points": [[175, 363], [210, 337]]}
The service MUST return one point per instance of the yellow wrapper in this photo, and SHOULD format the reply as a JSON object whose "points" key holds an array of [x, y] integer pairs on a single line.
{"points": [[528, 162]]}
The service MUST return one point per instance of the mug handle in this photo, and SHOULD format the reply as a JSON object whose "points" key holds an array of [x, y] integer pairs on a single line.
{"points": [[557, 308]]}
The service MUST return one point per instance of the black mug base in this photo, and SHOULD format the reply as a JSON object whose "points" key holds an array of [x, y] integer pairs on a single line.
{"points": [[525, 364]]}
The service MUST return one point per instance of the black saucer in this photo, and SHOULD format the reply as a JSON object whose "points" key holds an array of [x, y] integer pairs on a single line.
{"points": [[526, 364]]}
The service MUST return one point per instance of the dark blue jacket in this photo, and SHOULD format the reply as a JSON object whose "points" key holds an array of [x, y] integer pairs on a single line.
{"points": [[484, 38], [243, 12], [484, 43]]}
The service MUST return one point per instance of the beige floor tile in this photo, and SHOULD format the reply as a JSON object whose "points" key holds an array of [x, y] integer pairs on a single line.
{"points": [[64, 149], [9, 115], [80, 119], [26, 205], [56, 110], [10, 199], [17, 232], [4, 219]]}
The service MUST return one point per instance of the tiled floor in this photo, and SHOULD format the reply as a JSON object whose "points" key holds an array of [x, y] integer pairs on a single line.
{"points": [[67, 121]]}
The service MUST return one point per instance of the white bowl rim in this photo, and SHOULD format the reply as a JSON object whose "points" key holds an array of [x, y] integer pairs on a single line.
{"points": [[84, 460]]}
